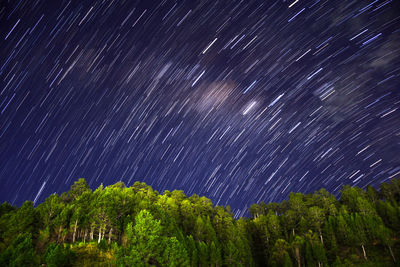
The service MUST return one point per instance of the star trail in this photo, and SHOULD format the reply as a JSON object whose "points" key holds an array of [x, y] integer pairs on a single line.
{"points": [[239, 101]]}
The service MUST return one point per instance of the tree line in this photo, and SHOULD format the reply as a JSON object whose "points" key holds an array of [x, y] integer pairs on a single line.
{"points": [[118, 225]]}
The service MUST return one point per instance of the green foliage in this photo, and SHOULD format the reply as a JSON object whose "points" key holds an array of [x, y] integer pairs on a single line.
{"points": [[280, 253], [147, 246], [118, 225], [58, 255], [174, 253], [6, 208], [20, 253]]}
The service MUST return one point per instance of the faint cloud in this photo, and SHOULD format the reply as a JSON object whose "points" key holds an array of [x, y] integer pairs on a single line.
{"points": [[387, 53]]}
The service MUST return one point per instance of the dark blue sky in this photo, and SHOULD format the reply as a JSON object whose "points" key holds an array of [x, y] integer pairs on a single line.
{"points": [[240, 101]]}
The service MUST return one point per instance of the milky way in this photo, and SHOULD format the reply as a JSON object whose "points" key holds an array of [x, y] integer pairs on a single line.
{"points": [[239, 101]]}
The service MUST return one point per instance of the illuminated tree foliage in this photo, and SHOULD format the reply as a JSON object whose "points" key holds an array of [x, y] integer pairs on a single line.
{"points": [[118, 225]]}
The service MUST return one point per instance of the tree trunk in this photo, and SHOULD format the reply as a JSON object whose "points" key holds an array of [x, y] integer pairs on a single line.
{"points": [[297, 254], [365, 254], [84, 237], [91, 233], [99, 235], [63, 237], [110, 235], [320, 236], [293, 231], [391, 253], [59, 233], [319, 264], [73, 236]]}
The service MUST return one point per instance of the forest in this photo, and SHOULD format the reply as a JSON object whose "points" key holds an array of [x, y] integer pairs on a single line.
{"points": [[118, 225]]}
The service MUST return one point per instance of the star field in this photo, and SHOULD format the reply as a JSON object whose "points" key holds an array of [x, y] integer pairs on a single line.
{"points": [[240, 101]]}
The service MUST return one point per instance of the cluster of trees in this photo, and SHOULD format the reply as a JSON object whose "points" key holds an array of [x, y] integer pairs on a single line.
{"points": [[136, 226], [317, 230]]}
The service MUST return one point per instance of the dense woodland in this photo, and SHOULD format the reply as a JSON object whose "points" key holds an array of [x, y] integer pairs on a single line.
{"points": [[136, 226]]}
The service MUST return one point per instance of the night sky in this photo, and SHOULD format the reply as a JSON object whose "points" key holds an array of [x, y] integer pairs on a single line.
{"points": [[239, 101]]}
